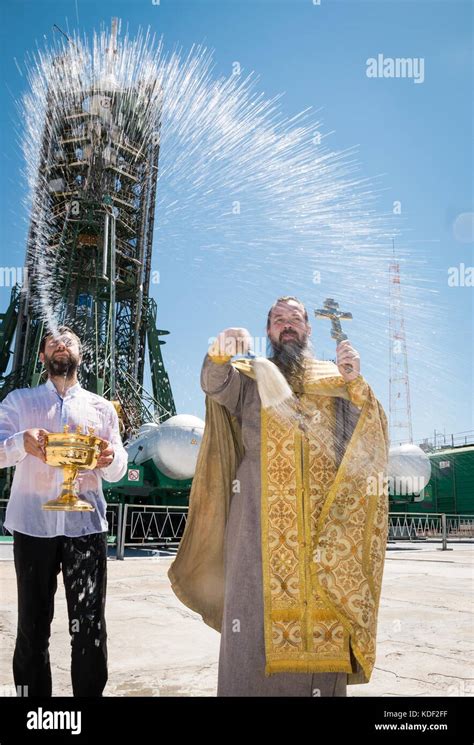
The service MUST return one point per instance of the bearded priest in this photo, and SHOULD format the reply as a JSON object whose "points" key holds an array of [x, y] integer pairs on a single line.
{"points": [[284, 546]]}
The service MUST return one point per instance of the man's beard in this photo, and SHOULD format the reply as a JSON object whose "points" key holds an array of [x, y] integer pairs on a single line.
{"points": [[289, 356], [61, 366]]}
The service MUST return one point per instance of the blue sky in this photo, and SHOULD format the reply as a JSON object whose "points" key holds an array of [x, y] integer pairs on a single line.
{"points": [[416, 139]]}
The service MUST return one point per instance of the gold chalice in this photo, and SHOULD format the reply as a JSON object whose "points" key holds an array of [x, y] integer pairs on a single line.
{"points": [[71, 451]]}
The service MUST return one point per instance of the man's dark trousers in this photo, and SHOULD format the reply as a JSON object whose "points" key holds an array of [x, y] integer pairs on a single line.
{"points": [[83, 561]]}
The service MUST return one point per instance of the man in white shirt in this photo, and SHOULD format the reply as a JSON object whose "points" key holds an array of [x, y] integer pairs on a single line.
{"points": [[46, 542]]}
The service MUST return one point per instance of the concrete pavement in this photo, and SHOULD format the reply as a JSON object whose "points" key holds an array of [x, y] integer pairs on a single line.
{"points": [[157, 647]]}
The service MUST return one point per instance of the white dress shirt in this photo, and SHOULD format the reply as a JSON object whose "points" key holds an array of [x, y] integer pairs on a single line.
{"points": [[36, 482]]}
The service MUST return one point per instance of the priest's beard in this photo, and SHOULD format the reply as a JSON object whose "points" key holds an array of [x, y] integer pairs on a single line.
{"points": [[289, 356], [61, 366]]}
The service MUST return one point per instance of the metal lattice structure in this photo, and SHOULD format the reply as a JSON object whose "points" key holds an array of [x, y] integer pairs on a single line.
{"points": [[92, 222]]}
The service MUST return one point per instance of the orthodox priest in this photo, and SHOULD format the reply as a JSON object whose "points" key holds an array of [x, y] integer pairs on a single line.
{"points": [[284, 546]]}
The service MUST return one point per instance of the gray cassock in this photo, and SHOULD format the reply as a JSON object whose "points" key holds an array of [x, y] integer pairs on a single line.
{"points": [[242, 648]]}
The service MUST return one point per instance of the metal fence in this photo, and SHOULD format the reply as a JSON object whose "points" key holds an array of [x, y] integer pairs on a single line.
{"points": [[3, 509], [150, 526], [153, 526], [114, 517], [440, 441], [114, 514], [415, 526]]}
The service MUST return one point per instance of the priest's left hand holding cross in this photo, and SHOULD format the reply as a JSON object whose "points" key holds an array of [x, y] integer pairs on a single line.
{"points": [[347, 361]]}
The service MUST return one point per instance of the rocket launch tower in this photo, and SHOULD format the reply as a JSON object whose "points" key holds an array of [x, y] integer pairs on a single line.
{"points": [[89, 246]]}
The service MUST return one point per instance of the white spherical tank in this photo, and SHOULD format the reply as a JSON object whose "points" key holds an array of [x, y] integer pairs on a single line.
{"points": [[409, 469], [173, 445]]}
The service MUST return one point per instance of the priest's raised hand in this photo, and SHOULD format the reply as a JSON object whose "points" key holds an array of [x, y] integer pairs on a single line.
{"points": [[347, 361], [229, 342]]}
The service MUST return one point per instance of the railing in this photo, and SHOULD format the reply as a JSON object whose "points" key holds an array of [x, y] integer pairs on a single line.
{"points": [[150, 526], [3, 509], [113, 513], [114, 517], [155, 526], [440, 441], [413, 526]]}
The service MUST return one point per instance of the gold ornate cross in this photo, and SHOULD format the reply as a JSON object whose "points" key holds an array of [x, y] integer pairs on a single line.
{"points": [[331, 311]]}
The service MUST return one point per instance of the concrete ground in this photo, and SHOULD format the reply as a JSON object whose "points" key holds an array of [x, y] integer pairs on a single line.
{"points": [[157, 647]]}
